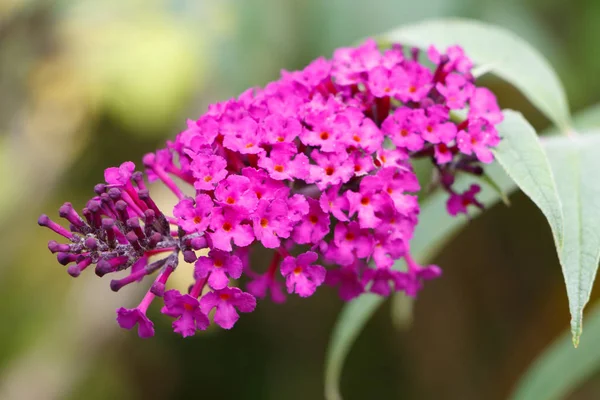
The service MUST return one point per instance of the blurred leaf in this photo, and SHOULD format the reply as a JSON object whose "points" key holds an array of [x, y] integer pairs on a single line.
{"points": [[348, 326], [402, 311], [504, 53], [575, 164], [521, 155], [436, 227], [561, 368], [588, 118], [492, 184]]}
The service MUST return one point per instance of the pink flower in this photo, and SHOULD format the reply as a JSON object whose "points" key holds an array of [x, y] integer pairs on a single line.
{"points": [[395, 182], [235, 192], [186, 310], [331, 202], [331, 169], [284, 162], [119, 176], [301, 276], [483, 105], [478, 138], [219, 266], [271, 222], [314, 225], [362, 165], [413, 81], [437, 129], [456, 59], [194, 216], [382, 280], [243, 136], [404, 128], [263, 186], [128, 317], [226, 223], [279, 129], [456, 90], [228, 302], [327, 132], [347, 279], [350, 64], [266, 282], [458, 203], [442, 153], [362, 132], [350, 242], [208, 170]]}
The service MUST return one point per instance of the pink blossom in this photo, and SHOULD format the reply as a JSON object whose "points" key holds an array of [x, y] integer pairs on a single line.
{"points": [[128, 317], [456, 90], [219, 266], [350, 242], [404, 128], [271, 222], [458, 203], [208, 170], [194, 216], [235, 192], [331, 169], [259, 286], [227, 302], [226, 223], [263, 186], [348, 280], [483, 105], [284, 162], [437, 129], [314, 225], [186, 310], [301, 276], [119, 176], [478, 139]]}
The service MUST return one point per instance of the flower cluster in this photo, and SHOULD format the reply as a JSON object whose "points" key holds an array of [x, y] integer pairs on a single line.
{"points": [[315, 169]]}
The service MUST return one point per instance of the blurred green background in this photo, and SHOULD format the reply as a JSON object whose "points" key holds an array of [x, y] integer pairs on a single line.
{"points": [[88, 84]]}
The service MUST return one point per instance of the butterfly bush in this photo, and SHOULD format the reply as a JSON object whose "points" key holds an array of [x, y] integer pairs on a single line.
{"points": [[314, 170]]}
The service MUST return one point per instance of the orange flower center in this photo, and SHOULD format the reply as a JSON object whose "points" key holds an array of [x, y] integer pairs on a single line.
{"points": [[324, 135], [365, 201], [278, 168], [264, 222], [227, 227]]}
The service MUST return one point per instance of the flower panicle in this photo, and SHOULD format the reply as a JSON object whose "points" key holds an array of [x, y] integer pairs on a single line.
{"points": [[314, 168]]}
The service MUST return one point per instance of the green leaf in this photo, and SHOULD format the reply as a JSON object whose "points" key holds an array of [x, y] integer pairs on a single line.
{"points": [[349, 324], [575, 164], [434, 230], [402, 308], [498, 51], [524, 160], [492, 184], [561, 368]]}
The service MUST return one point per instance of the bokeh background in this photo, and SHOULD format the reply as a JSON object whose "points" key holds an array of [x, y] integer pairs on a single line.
{"points": [[89, 84]]}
